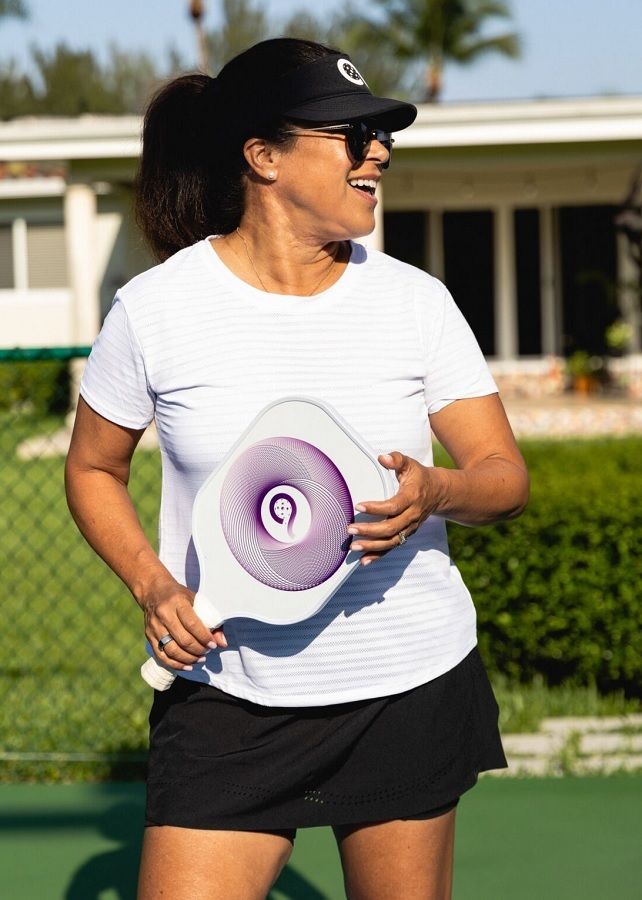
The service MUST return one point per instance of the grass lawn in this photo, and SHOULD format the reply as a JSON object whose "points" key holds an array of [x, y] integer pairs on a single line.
{"points": [[563, 839], [73, 637], [71, 682]]}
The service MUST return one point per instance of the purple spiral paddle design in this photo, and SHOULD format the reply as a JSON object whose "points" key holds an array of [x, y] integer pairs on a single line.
{"points": [[284, 512]]}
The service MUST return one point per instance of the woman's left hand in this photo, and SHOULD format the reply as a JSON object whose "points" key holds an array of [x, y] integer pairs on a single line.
{"points": [[416, 499]]}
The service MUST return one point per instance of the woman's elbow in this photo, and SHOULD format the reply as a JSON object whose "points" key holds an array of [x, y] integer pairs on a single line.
{"points": [[520, 494]]}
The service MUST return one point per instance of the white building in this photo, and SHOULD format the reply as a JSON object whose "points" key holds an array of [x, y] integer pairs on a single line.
{"points": [[511, 203]]}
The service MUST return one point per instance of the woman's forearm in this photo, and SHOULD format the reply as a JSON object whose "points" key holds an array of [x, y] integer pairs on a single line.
{"points": [[490, 491], [104, 513], [96, 478]]}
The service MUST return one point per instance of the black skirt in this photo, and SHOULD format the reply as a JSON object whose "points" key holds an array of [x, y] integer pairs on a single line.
{"points": [[218, 762]]}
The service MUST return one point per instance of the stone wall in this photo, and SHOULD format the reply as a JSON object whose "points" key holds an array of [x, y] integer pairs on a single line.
{"points": [[532, 379]]}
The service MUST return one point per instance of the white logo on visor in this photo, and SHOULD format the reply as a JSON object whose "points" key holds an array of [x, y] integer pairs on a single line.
{"points": [[350, 71]]}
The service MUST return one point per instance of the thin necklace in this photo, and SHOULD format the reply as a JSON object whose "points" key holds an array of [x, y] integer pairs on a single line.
{"points": [[262, 283]]}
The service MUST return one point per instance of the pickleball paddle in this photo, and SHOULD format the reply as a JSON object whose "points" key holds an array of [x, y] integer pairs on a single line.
{"points": [[269, 525]]}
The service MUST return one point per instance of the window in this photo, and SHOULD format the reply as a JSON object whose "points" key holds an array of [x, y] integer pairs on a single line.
{"points": [[589, 275], [469, 271], [527, 270], [404, 237]]}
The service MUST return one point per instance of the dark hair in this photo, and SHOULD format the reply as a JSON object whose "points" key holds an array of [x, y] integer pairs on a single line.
{"points": [[190, 178]]}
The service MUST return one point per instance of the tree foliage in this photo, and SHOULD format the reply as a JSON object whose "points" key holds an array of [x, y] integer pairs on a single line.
{"points": [[13, 8], [17, 97], [392, 46], [428, 33], [68, 82], [244, 23], [73, 83]]}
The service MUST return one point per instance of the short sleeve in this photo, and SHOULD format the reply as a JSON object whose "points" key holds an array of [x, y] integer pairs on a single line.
{"points": [[456, 368], [114, 382]]}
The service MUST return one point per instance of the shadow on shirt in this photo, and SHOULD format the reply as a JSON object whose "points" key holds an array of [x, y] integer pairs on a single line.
{"points": [[289, 640]]}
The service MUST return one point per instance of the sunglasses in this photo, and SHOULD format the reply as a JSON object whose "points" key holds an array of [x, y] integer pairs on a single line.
{"points": [[358, 135]]}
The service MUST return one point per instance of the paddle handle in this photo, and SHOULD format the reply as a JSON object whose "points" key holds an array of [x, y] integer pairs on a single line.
{"points": [[162, 677], [157, 676]]}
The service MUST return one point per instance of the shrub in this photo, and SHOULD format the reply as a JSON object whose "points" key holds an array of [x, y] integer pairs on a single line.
{"points": [[41, 386], [558, 590]]}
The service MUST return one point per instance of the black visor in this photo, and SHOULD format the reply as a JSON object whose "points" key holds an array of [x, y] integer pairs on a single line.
{"points": [[330, 89]]}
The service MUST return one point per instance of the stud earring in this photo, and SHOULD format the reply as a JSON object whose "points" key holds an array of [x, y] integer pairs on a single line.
{"points": [[272, 176]]}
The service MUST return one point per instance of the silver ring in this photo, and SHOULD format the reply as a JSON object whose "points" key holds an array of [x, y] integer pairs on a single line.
{"points": [[402, 537], [162, 643]]}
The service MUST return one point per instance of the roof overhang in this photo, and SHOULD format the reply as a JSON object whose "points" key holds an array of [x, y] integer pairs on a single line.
{"points": [[84, 137], [526, 123], [535, 122]]}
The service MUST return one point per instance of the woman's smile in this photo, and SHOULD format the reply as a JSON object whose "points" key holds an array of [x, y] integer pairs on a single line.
{"points": [[366, 188]]}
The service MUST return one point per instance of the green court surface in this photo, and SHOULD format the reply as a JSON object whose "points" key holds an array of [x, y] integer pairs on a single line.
{"points": [[557, 839]]}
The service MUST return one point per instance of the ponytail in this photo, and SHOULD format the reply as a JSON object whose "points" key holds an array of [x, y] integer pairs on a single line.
{"points": [[189, 185]]}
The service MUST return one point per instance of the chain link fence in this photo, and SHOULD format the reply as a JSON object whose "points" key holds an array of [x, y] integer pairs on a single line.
{"points": [[73, 702]]}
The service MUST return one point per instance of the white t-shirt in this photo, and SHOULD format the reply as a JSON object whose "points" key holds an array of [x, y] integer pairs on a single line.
{"points": [[192, 346]]}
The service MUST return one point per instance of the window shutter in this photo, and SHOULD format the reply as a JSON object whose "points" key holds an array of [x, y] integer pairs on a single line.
{"points": [[47, 256]]}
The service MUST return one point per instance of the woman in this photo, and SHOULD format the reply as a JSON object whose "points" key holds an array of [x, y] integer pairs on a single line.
{"points": [[375, 715]]}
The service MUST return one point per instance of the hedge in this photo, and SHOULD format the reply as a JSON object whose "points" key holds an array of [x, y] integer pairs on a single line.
{"points": [[39, 386], [557, 591]]}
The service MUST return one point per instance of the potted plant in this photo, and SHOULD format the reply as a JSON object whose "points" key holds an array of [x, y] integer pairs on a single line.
{"points": [[618, 337], [586, 372]]}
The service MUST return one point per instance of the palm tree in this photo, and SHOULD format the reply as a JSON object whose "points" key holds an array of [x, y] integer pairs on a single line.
{"points": [[197, 12], [435, 31]]}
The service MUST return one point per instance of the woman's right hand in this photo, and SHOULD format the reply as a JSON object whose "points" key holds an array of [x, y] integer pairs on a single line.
{"points": [[168, 608]]}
